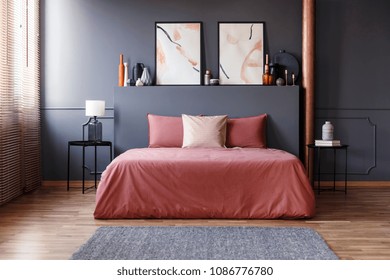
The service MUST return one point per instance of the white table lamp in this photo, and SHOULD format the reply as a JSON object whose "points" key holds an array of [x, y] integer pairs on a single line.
{"points": [[94, 109]]}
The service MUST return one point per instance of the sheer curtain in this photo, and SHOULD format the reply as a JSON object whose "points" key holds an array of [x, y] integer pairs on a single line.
{"points": [[20, 169]]}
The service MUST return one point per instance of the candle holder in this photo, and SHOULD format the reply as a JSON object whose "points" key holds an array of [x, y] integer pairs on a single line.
{"points": [[286, 76]]}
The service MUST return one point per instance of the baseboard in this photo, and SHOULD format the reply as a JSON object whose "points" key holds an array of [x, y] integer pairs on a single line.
{"points": [[358, 184], [63, 184]]}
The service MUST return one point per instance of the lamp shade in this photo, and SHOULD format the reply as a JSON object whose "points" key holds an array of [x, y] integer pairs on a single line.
{"points": [[95, 108]]}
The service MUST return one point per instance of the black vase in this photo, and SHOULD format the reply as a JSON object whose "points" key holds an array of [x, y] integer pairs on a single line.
{"points": [[137, 71], [273, 71]]}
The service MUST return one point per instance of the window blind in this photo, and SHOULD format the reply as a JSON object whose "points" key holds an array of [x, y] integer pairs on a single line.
{"points": [[19, 98]]}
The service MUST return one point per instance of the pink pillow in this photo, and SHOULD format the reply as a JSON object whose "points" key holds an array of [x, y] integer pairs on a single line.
{"points": [[247, 132], [165, 132]]}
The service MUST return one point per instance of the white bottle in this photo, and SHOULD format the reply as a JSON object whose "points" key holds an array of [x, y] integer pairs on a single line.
{"points": [[126, 75], [207, 78], [327, 131]]}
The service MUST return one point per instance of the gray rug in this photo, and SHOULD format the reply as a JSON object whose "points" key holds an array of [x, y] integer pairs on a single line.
{"points": [[204, 243]]}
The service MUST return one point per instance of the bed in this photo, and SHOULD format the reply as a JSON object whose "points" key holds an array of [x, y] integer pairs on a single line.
{"points": [[233, 183], [205, 167]]}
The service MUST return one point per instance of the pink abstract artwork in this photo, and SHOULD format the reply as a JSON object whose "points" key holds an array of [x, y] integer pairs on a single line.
{"points": [[241, 52], [178, 58]]}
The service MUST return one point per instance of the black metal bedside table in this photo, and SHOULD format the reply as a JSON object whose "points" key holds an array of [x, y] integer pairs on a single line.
{"points": [[85, 144], [317, 150]]}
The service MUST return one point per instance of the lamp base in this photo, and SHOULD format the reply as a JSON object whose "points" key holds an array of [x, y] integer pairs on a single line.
{"points": [[95, 131]]}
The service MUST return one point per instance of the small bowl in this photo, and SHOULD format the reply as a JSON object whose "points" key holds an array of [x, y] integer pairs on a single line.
{"points": [[214, 82]]}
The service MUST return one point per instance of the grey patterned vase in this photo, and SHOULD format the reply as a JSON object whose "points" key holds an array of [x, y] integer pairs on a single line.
{"points": [[145, 78]]}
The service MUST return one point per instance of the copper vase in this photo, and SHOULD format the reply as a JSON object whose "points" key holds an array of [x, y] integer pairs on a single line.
{"points": [[121, 71]]}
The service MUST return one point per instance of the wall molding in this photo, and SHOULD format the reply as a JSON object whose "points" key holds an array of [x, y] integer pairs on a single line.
{"points": [[69, 108], [76, 109], [352, 109]]}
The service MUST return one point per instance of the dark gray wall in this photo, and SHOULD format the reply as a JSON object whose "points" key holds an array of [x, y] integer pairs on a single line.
{"points": [[352, 84], [82, 40]]}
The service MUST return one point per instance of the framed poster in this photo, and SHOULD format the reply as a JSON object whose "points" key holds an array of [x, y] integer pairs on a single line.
{"points": [[241, 53], [178, 56]]}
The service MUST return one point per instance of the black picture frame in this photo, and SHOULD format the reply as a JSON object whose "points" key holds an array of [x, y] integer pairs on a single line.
{"points": [[241, 53], [178, 53]]}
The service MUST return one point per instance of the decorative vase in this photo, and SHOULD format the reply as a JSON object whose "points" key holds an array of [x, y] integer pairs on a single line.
{"points": [[145, 78], [266, 75], [273, 71], [121, 71], [207, 78], [137, 71], [280, 82], [327, 131], [139, 83], [126, 76]]}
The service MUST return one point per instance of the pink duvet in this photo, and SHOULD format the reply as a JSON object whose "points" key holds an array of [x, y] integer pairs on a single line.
{"points": [[238, 183]]}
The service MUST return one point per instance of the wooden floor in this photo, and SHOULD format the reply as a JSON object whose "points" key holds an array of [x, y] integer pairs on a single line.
{"points": [[51, 223]]}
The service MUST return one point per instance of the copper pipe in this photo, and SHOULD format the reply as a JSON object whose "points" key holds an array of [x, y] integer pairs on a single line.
{"points": [[308, 71]]}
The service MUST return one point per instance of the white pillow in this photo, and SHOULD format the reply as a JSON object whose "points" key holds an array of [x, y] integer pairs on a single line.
{"points": [[204, 131]]}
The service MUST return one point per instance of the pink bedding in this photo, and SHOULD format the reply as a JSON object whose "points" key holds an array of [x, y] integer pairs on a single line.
{"points": [[237, 183]]}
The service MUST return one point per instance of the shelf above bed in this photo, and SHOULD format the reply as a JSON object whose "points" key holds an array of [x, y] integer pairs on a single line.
{"points": [[131, 105]]}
